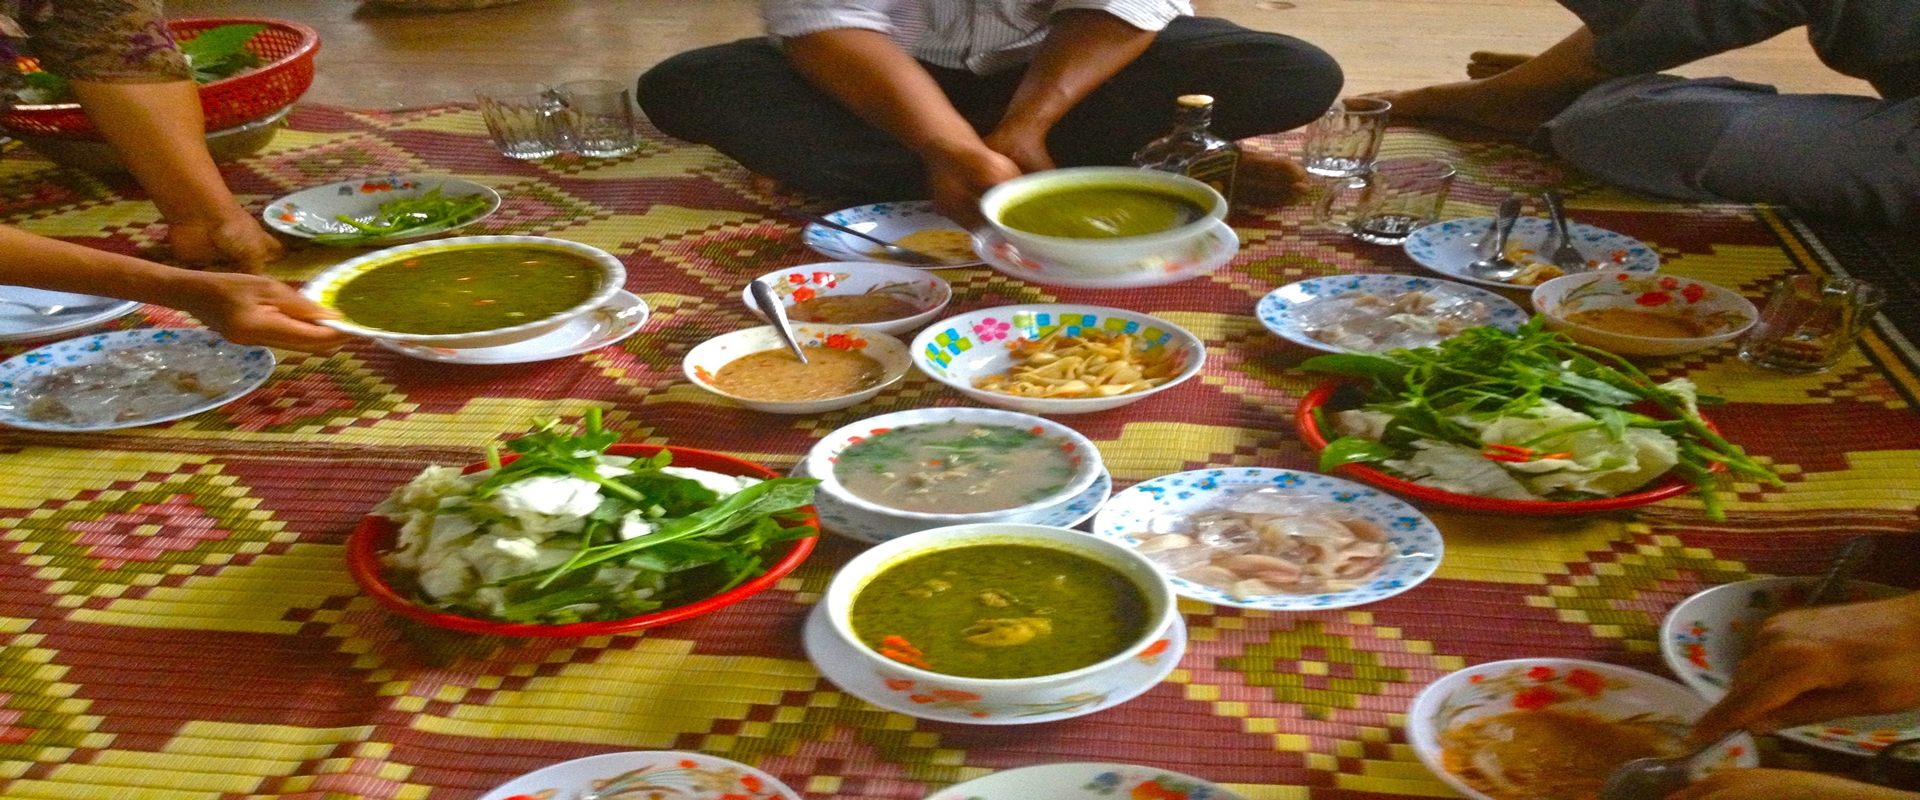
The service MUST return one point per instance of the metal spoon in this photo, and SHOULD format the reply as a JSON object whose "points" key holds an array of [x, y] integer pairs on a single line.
{"points": [[893, 251], [1846, 561], [1558, 247], [776, 314], [1498, 267], [1655, 778], [45, 311]]}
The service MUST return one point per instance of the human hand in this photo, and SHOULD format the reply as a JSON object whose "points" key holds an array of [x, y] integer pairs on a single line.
{"points": [[956, 182], [1783, 784], [234, 238], [1027, 150], [255, 310], [1814, 664]]}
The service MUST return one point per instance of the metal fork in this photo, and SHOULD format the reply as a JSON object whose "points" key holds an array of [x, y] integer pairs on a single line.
{"points": [[1558, 247]]}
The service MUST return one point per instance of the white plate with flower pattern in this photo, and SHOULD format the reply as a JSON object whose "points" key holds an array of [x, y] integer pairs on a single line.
{"points": [[254, 364], [1448, 247], [645, 773], [1205, 254], [1085, 781], [838, 662], [862, 525], [1416, 542], [311, 212], [1276, 310], [884, 221]]}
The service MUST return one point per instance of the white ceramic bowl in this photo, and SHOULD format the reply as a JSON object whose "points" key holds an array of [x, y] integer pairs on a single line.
{"points": [[1103, 257], [1724, 309], [1602, 690], [958, 350], [703, 361], [826, 452], [1084, 781], [847, 583], [324, 286], [798, 284], [1706, 635], [309, 212]]}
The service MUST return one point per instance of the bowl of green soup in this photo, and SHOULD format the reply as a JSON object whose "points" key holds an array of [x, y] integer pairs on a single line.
{"points": [[467, 292], [1006, 613], [1102, 221]]}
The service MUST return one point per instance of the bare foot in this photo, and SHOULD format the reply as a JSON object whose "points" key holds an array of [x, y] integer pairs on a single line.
{"points": [[1484, 64], [1268, 179], [1488, 103]]}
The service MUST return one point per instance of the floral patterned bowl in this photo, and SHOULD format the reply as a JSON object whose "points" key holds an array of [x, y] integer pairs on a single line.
{"points": [[1531, 684], [705, 360], [310, 212], [957, 350], [1705, 636], [792, 285], [1085, 781], [1722, 311]]}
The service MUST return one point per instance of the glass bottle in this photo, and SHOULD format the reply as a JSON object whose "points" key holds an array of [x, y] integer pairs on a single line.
{"points": [[1192, 150]]}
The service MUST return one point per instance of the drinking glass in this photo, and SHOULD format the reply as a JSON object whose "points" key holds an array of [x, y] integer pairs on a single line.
{"points": [[598, 118], [520, 118], [1343, 142], [1389, 201], [1809, 322]]}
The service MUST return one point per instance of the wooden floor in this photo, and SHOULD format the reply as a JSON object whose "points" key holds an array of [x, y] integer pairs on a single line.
{"points": [[373, 59]]}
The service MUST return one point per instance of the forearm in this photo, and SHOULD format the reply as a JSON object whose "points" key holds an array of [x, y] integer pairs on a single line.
{"points": [[1082, 50], [40, 262], [874, 78], [160, 134]]}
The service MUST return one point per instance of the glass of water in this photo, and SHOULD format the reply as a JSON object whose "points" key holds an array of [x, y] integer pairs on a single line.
{"points": [[520, 117], [598, 118], [1343, 142], [1388, 202], [1809, 323]]}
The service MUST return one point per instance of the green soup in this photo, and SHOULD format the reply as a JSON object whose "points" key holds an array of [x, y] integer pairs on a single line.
{"points": [[469, 289], [1100, 212], [999, 611]]}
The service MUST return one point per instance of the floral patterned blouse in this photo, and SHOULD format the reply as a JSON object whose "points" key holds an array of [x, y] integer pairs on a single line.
{"points": [[111, 41]]}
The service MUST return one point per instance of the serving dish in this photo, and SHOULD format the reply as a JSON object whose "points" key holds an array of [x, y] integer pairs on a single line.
{"points": [[933, 695], [1279, 311], [1705, 636], [252, 366], [958, 350], [1416, 544], [323, 289], [1605, 691], [871, 527], [1104, 257], [609, 324], [659, 774], [83, 311], [1724, 311], [1202, 255], [888, 221], [1085, 781], [1448, 247], [375, 535], [799, 284], [309, 212], [706, 359]]}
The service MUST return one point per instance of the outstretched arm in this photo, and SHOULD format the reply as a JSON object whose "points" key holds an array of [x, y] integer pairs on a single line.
{"points": [[1082, 50]]}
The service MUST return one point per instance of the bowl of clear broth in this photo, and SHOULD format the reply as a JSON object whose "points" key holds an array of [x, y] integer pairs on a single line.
{"points": [[467, 292], [1102, 221], [947, 466], [884, 297], [846, 365], [1643, 314], [1008, 613]]}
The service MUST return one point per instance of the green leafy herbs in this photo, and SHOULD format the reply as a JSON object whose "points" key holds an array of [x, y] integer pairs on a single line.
{"points": [[1542, 393], [563, 533], [221, 52], [409, 216]]}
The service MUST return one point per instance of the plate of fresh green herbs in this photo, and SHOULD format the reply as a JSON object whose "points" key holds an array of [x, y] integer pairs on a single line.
{"points": [[383, 210], [1527, 422], [569, 533]]}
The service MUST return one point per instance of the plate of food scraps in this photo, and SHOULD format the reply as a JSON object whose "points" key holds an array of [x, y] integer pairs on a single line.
{"points": [[126, 379], [912, 224]]}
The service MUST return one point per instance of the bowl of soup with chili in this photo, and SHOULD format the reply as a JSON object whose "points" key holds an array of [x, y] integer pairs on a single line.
{"points": [[1102, 221], [467, 292], [1005, 611], [1642, 314], [946, 466], [846, 365]]}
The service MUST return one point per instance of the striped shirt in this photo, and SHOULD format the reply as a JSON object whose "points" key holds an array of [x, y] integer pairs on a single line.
{"points": [[984, 36]]}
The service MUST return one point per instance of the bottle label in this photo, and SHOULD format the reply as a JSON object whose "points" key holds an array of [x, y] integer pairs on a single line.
{"points": [[1216, 170]]}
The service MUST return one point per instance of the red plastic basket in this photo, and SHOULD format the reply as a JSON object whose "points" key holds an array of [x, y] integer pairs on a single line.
{"points": [[287, 47]]}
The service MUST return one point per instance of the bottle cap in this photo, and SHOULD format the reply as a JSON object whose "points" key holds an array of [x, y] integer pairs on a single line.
{"points": [[1195, 100]]}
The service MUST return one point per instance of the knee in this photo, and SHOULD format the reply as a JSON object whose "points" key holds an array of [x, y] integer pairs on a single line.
{"points": [[678, 95], [1277, 82]]}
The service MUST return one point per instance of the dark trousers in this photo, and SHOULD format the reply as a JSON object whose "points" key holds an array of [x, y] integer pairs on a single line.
{"points": [[748, 102]]}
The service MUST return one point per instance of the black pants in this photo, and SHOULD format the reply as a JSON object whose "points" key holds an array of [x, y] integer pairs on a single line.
{"points": [[748, 102]]}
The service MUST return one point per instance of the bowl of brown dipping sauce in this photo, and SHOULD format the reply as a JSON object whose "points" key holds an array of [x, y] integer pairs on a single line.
{"points": [[1641, 313], [882, 297], [846, 365]]}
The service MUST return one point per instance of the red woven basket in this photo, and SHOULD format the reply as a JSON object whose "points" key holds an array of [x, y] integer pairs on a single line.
{"points": [[287, 47]]}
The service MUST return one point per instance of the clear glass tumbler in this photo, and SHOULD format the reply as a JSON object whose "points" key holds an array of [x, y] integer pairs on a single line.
{"points": [[1388, 202], [1809, 322], [598, 118], [520, 117], [1343, 142]]}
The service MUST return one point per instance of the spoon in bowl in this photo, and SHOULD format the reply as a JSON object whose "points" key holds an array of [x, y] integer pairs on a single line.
{"points": [[896, 252], [45, 311], [1497, 267], [777, 314]]}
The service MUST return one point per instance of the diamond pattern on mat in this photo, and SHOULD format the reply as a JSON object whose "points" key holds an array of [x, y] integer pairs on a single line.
{"points": [[307, 395], [35, 723], [533, 208], [341, 159], [43, 194], [727, 254], [1624, 592]]}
